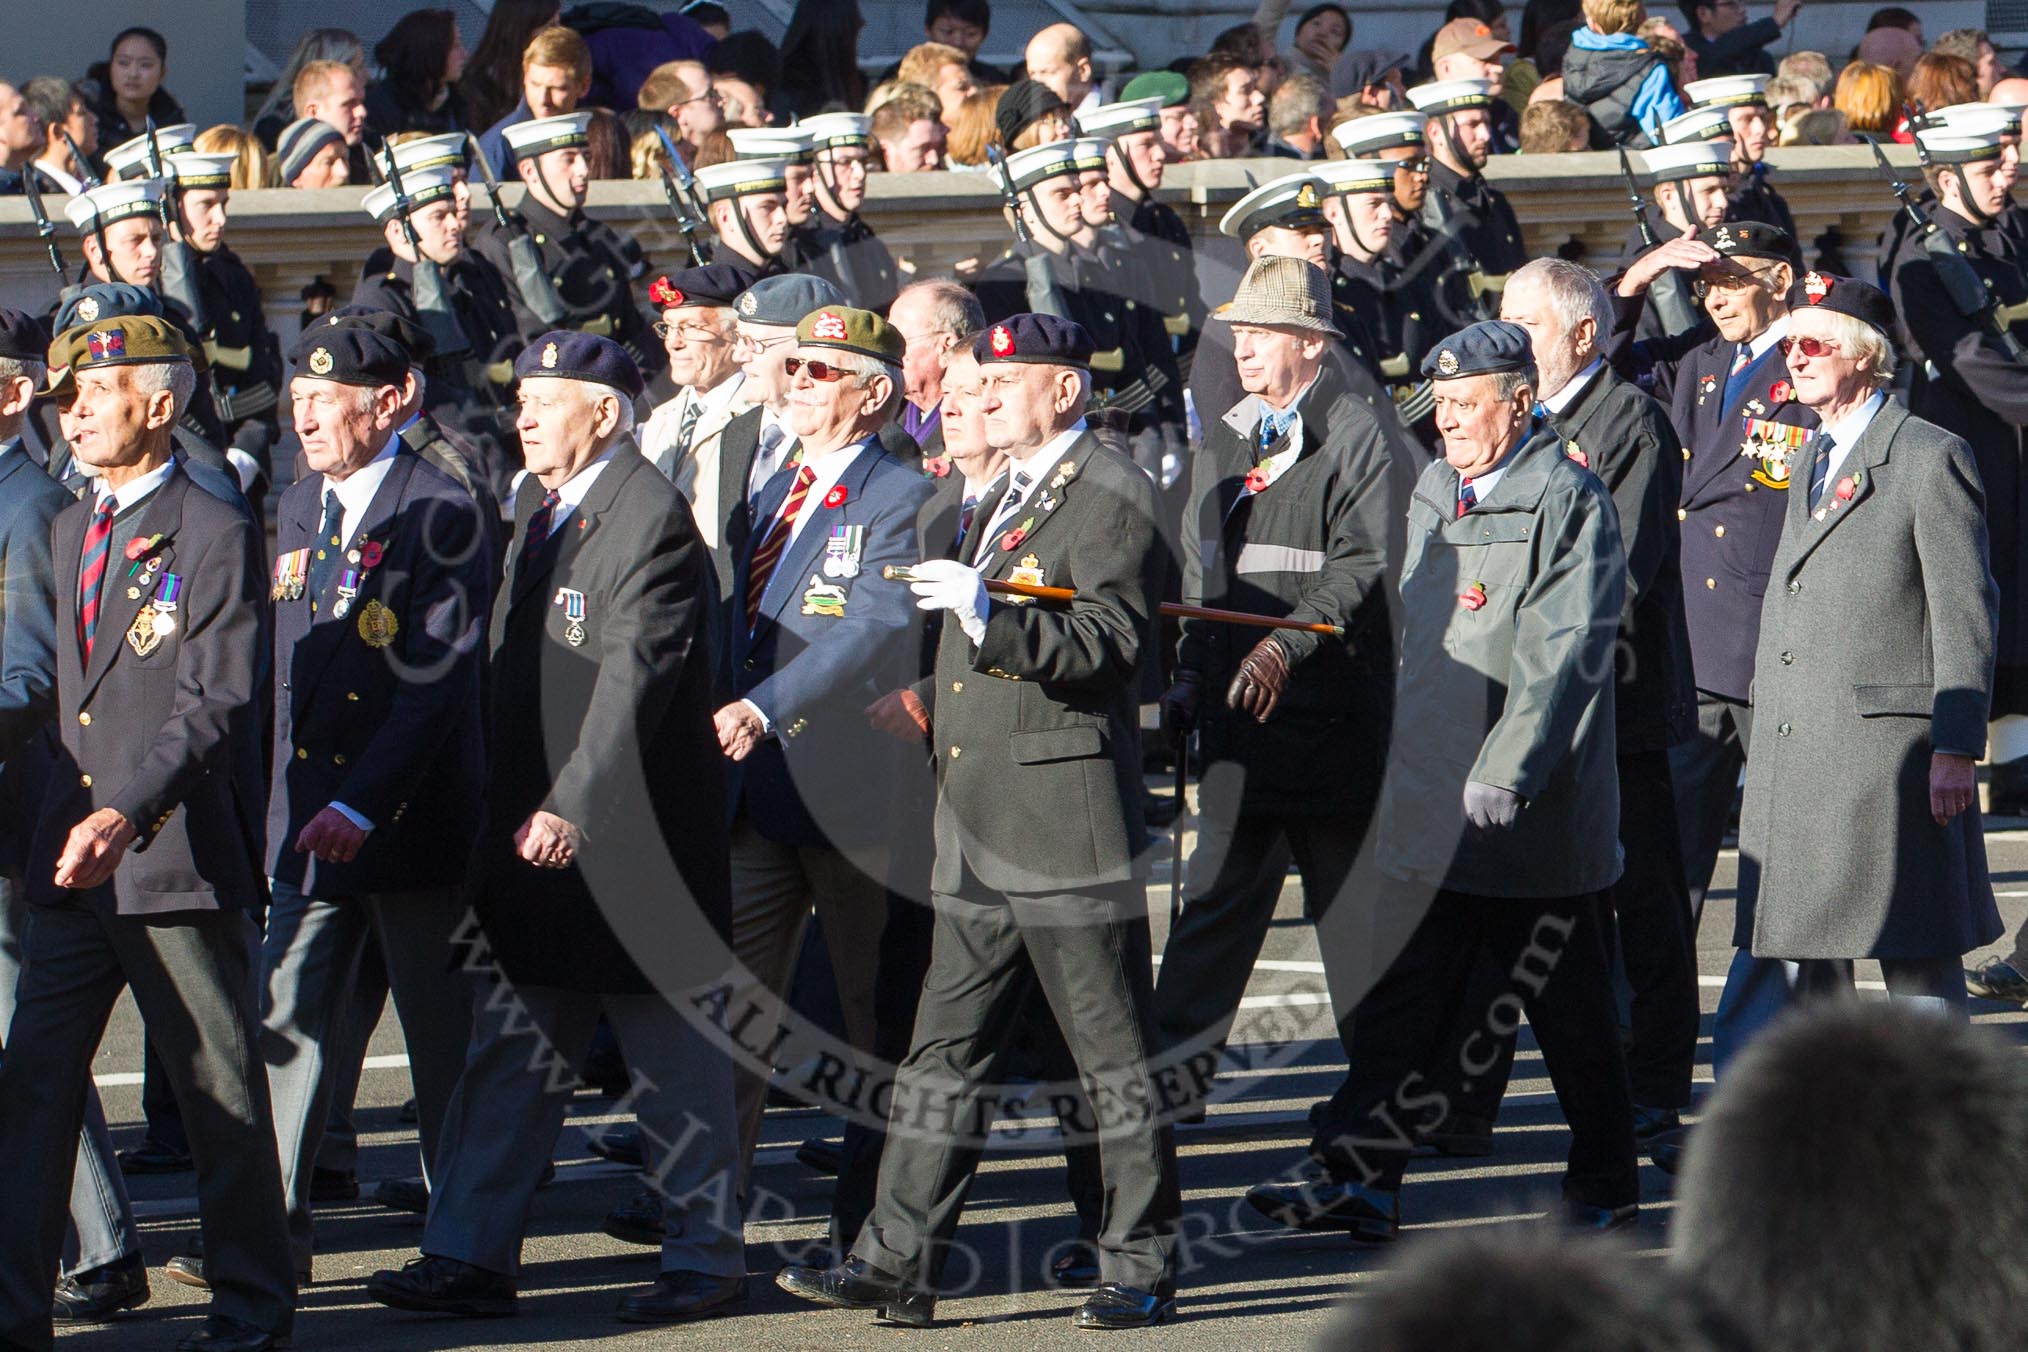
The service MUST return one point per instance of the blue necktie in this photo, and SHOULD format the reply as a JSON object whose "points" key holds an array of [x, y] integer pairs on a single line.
{"points": [[1820, 470], [1735, 381]]}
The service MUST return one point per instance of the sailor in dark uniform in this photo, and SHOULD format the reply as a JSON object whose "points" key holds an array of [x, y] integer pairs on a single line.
{"points": [[840, 245], [470, 389], [748, 202], [447, 151], [1461, 203], [1164, 276], [1743, 100], [1400, 311], [1689, 179], [592, 266]]}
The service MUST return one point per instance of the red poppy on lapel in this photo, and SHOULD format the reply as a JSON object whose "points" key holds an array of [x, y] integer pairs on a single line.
{"points": [[1781, 392], [139, 546], [1847, 486], [369, 554], [836, 497], [1256, 479], [1012, 539], [937, 466]]}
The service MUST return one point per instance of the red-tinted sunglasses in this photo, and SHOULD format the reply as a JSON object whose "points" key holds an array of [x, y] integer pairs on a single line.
{"points": [[1809, 347], [819, 370]]}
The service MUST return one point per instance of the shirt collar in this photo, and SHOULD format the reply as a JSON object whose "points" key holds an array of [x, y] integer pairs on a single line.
{"points": [[137, 490], [1845, 433], [578, 485], [1768, 337], [355, 491], [1573, 388], [719, 396], [1039, 460]]}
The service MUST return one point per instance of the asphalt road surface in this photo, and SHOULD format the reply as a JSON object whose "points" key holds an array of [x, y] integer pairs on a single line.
{"points": [[1246, 1283]]}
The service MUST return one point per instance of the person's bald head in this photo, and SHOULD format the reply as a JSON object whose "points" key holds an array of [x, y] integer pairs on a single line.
{"points": [[2012, 90], [1060, 57], [1895, 48]]}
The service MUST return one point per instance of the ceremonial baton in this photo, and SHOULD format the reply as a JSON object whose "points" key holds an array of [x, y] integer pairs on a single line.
{"points": [[1172, 609]]}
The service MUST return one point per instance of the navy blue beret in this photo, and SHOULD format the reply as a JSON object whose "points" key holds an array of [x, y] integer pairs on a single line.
{"points": [[105, 300], [21, 336], [413, 337], [349, 354], [1848, 296], [570, 355], [783, 300], [1486, 348], [1750, 239], [1045, 340], [712, 284]]}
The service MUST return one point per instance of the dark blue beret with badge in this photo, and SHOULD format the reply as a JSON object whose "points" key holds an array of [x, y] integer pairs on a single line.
{"points": [[1042, 340], [1749, 239], [22, 337], [1848, 296], [105, 300], [349, 354], [568, 354], [783, 300], [413, 337], [1486, 348], [712, 284]]}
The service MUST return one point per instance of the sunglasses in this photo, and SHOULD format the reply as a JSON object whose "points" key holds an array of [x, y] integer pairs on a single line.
{"points": [[816, 370], [1809, 347]]}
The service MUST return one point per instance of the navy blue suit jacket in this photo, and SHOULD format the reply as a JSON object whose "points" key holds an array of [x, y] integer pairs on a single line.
{"points": [[392, 732], [29, 502], [814, 674]]}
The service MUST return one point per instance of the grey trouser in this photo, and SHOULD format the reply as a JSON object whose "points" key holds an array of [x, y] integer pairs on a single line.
{"points": [[190, 975], [520, 1072], [308, 961], [101, 1218]]}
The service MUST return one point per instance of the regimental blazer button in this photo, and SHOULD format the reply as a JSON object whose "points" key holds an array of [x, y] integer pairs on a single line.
{"points": [[84, 718], [85, 780], [956, 752]]}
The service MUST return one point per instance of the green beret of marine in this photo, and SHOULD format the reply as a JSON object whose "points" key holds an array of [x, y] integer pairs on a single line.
{"points": [[850, 330]]}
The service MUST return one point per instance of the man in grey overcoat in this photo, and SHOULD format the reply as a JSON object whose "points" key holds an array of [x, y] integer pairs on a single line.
{"points": [[1860, 835]]}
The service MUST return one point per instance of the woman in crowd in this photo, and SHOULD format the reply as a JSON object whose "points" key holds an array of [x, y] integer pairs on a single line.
{"points": [[492, 81], [1870, 98], [420, 60], [130, 88], [973, 129], [252, 169], [820, 58]]}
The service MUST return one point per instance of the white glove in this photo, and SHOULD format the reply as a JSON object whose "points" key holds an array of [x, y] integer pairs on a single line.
{"points": [[946, 584], [1172, 469], [1490, 808]]}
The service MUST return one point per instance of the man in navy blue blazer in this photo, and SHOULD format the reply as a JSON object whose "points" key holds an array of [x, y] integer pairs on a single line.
{"points": [[380, 588], [813, 635]]}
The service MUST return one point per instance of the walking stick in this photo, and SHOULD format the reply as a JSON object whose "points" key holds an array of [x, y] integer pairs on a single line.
{"points": [[1172, 609], [1176, 845]]}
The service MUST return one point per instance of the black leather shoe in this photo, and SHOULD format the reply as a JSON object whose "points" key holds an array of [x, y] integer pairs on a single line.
{"points": [[1463, 1136], [152, 1157], [638, 1220], [334, 1185], [1659, 1132], [1600, 1219], [1078, 1267], [820, 1156], [189, 1270], [444, 1286], [622, 1145], [683, 1295], [1310, 1199], [852, 1285], [403, 1194], [224, 1334], [96, 1296], [1114, 1306]]}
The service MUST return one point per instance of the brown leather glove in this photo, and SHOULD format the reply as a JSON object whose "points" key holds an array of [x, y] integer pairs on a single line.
{"points": [[1263, 676]]}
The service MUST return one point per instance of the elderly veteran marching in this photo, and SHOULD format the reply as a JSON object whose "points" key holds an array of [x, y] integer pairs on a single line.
{"points": [[1489, 838], [599, 882], [1297, 499], [1872, 683], [1040, 844], [380, 590], [145, 868]]}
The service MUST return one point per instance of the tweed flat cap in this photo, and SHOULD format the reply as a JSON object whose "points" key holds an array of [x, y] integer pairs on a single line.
{"points": [[1485, 348], [850, 330], [568, 354], [1283, 293]]}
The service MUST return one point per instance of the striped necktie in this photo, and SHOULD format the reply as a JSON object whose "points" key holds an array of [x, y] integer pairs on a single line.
{"points": [[329, 545], [682, 467], [91, 573], [1735, 379], [1016, 496], [539, 522], [769, 551], [1468, 497]]}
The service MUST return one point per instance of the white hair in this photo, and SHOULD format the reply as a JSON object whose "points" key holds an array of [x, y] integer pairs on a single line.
{"points": [[24, 368], [177, 377], [1867, 345], [1506, 384], [593, 392], [1574, 292], [866, 368]]}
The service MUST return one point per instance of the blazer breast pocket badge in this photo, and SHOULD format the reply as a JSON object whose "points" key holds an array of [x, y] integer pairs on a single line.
{"points": [[157, 619], [824, 599], [573, 615]]}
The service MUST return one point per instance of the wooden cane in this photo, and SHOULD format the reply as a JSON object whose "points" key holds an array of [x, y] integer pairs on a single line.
{"points": [[1173, 609]]}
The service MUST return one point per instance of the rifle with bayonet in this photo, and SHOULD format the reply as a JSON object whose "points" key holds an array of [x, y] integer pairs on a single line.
{"points": [[531, 279], [432, 300], [1045, 297], [178, 283], [1666, 294], [85, 173], [681, 191], [44, 230], [1960, 280]]}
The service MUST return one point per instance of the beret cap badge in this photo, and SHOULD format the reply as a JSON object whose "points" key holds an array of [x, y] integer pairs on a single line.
{"points": [[320, 362], [1816, 286], [1003, 341], [1447, 362], [88, 309], [549, 357], [747, 304], [1306, 196], [828, 327], [106, 345]]}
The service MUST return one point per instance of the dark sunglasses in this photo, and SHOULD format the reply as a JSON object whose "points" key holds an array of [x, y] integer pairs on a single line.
{"points": [[1809, 347], [818, 370]]}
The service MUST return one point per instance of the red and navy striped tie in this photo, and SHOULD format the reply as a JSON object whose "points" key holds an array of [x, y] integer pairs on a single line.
{"points": [[91, 574]]}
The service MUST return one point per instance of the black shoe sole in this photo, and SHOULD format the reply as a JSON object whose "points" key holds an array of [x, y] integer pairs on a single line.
{"points": [[1362, 1229], [1163, 1313], [737, 1305], [106, 1315], [893, 1314], [628, 1234], [495, 1307]]}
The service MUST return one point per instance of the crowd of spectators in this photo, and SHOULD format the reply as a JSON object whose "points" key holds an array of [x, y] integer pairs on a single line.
{"points": [[1573, 75]]}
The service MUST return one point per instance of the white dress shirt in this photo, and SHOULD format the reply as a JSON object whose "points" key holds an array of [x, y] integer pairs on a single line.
{"points": [[137, 490], [1035, 466], [1572, 388], [575, 488], [1845, 434], [355, 491]]}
